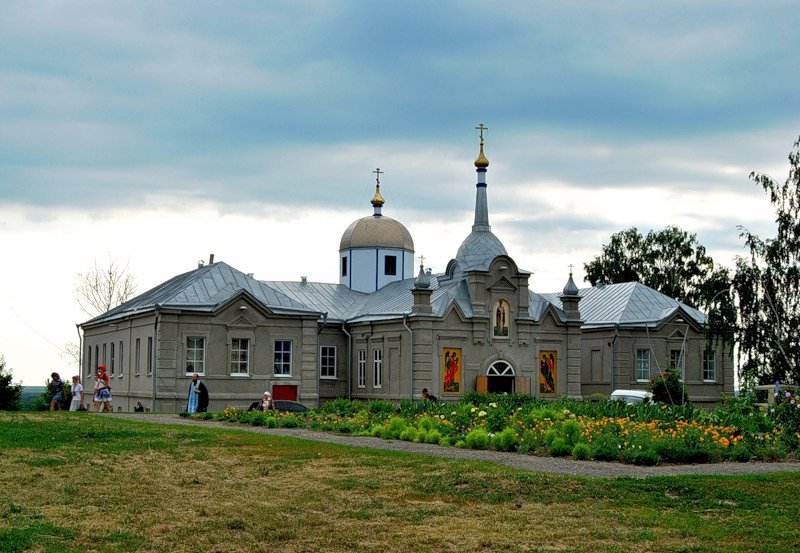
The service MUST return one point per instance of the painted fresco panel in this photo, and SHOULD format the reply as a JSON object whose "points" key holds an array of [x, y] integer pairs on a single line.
{"points": [[548, 370], [502, 314], [452, 373]]}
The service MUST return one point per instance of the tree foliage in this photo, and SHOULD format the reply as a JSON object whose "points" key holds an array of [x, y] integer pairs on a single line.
{"points": [[670, 261], [102, 288], [767, 286], [10, 393]]}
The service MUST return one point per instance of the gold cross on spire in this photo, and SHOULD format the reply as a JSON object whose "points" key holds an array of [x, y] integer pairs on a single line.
{"points": [[422, 260], [570, 268], [480, 128], [378, 174]]}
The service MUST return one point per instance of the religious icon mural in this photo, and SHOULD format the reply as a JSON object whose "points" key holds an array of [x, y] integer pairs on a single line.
{"points": [[451, 370], [547, 372], [500, 320]]}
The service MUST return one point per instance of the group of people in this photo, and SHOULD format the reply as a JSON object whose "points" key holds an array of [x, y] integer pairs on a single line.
{"points": [[58, 392]]}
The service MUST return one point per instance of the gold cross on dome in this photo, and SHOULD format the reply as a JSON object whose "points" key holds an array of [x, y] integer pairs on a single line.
{"points": [[378, 174], [422, 260], [481, 127]]}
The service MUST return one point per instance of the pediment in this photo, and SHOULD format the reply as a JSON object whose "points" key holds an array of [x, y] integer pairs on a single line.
{"points": [[678, 334], [241, 321], [502, 285]]}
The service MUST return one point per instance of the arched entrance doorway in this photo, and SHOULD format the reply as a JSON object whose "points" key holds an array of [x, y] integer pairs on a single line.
{"points": [[500, 377]]}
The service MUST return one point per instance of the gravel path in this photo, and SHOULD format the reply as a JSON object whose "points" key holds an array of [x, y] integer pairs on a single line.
{"points": [[558, 465]]}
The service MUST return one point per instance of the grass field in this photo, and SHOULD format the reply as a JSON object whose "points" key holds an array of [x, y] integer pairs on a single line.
{"points": [[82, 482]]}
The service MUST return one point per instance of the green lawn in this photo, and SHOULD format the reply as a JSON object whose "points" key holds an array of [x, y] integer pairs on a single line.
{"points": [[78, 482]]}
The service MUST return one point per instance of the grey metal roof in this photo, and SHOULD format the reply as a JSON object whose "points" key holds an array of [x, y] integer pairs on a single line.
{"points": [[204, 289], [478, 250], [337, 300], [629, 303]]}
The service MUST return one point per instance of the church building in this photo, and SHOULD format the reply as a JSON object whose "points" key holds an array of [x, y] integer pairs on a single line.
{"points": [[387, 330]]}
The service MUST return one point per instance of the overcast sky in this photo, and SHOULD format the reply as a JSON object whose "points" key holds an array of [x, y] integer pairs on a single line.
{"points": [[156, 133]]}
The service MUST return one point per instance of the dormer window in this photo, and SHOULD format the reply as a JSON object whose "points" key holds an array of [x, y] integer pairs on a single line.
{"points": [[390, 265]]}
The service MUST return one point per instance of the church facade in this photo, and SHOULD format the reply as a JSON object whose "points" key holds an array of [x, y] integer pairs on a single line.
{"points": [[384, 333]]}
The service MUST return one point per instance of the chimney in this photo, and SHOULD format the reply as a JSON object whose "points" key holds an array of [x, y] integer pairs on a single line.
{"points": [[211, 259], [201, 264], [303, 280]]}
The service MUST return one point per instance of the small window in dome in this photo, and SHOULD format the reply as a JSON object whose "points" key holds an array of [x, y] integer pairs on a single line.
{"points": [[390, 265], [344, 266]]}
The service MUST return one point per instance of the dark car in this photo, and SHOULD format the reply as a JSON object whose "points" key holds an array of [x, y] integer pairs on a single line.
{"points": [[288, 405]]}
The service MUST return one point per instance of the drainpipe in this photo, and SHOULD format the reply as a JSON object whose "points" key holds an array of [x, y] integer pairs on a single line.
{"points": [[349, 362], [154, 355], [410, 359], [614, 354], [80, 350], [319, 358]]}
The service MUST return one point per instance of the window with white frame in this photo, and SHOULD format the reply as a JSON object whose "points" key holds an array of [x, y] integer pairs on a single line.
{"points": [[149, 355], [283, 358], [327, 361], [709, 366], [137, 357], [377, 369], [113, 358], [362, 368], [642, 364], [240, 356], [195, 355], [121, 359], [676, 358]]}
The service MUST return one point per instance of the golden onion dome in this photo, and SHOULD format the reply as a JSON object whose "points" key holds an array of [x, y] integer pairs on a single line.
{"points": [[377, 231], [377, 199], [481, 161]]}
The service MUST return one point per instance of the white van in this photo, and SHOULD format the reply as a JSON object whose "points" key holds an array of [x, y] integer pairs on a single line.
{"points": [[632, 396]]}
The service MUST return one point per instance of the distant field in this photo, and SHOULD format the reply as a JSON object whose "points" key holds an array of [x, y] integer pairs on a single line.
{"points": [[77, 482], [29, 393]]}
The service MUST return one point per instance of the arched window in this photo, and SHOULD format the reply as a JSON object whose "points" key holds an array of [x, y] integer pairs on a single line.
{"points": [[500, 368]]}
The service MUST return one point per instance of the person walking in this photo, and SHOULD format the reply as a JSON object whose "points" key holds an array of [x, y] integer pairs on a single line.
{"points": [[198, 396], [77, 393], [56, 389], [102, 390]]}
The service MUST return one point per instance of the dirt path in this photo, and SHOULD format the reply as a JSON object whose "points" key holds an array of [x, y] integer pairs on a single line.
{"points": [[558, 465]]}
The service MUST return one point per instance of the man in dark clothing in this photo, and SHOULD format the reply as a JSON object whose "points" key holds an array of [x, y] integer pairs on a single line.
{"points": [[429, 396], [198, 396]]}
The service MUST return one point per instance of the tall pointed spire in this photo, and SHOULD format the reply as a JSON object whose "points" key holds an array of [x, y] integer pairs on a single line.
{"points": [[481, 204]]}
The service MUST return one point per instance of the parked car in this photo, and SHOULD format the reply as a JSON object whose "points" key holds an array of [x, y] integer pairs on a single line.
{"points": [[288, 405], [632, 396]]}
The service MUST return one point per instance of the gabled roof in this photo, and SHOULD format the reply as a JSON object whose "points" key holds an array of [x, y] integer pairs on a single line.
{"points": [[205, 289], [629, 303]]}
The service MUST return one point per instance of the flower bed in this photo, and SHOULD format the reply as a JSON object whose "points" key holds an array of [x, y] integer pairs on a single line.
{"points": [[604, 430]]}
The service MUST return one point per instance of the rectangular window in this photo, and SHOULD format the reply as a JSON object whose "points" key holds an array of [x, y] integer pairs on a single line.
{"points": [[344, 266], [327, 362], [138, 355], [113, 358], [283, 358], [121, 359], [96, 358], [362, 368], [390, 265], [676, 360], [642, 364], [149, 355], [377, 367], [709, 366], [195, 355], [88, 360], [104, 355], [240, 356]]}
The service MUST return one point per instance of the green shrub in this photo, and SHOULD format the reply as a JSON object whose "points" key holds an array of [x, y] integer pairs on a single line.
{"points": [[581, 451], [445, 441], [381, 407], [394, 428], [289, 421], [477, 439], [408, 434], [667, 387], [560, 447], [571, 431], [605, 447], [270, 422], [426, 423], [342, 406], [433, 437], [505, 440]]}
